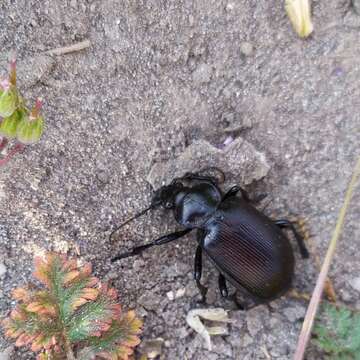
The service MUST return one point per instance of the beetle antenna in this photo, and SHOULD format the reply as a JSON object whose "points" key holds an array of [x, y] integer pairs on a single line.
{"points": [[129, 220]]}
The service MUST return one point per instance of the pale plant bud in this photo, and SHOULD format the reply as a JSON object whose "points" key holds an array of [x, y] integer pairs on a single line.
{"points": [[300, 16], [31, 127], [8, 99]]}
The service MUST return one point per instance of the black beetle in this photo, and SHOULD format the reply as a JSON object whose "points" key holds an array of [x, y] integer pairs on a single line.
{"points": [[248, 248]]}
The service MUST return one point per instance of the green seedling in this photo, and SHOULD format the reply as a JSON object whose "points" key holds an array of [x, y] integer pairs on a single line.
{"points": [[17, 122], [337, 333]]}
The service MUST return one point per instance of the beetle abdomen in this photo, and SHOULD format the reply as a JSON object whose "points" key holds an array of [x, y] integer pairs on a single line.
{"points": [[249, 249]]}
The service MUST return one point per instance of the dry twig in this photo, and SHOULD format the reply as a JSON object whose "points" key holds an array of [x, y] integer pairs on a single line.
{"points": [[71, 48], [320, 283]]}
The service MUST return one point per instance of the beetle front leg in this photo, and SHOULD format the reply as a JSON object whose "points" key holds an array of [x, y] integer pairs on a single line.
{"points": [[160, 241], [198, 272]]}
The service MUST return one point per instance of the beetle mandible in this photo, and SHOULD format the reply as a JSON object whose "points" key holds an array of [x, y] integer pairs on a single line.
{"points": [[248, 248]]}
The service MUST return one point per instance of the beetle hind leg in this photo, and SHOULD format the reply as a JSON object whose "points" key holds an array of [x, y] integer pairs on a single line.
{"points": [[222, 286], [283, 223]]}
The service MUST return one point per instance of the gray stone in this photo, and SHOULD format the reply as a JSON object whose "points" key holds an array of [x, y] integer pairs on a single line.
{"points": [[356, 5], [152, 348], [355, 283], [239, 159], [202, 74], [2, 269], [34, 69], [149, 301], [221, 347], [246, 48], [5, 355], [255, 319], [295, 313], [352, 19]]}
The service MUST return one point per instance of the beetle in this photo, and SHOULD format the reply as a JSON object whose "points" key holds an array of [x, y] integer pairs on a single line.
{"points": [[248, 248]]}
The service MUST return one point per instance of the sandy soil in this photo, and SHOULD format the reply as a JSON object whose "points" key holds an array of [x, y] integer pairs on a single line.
{"points": [[159, 78]]}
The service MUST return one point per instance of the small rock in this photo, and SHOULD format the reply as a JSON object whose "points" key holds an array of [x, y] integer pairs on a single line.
{"points": [[202, 74], [111, 275], [181, 333], [352, 19], [255, 319], [5, 355], [152, 348], [2, 270], [33, 69], [355, 284], [221, 347], [230, 6], [191, 289], [170, 295], [149, 301], [294, 313], [246, 340], [345, 295], [180, 293], [246, 48], [356, 5], [254, 324], [239, 159]]}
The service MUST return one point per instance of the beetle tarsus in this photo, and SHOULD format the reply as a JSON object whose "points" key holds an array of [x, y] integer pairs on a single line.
{"points": [[222, 286], [198, 269]]}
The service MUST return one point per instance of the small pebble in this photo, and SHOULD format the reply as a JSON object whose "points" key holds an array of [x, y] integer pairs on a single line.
{"points": [[2, 270], [5, 355], [246, 48], [355, 284], [356, 5], [170, 295], [180, 293]]}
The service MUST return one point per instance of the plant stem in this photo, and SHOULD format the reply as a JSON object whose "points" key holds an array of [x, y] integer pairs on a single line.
{"points": [[3, 143], [316, 296], [17, 148], [69, 353]]}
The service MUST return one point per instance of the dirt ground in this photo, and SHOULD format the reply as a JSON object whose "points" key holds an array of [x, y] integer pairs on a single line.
{"points": [[161, 88]]}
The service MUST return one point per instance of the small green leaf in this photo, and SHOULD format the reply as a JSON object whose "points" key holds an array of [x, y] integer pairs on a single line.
{"points": [[9, 125], [338, 333], [91, 319], [8, 102]]}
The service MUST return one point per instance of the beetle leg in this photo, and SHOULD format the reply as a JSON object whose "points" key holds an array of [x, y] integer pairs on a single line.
{"points": [[222, 286], [198, 272], [245, 195], [160, 241], [283, 223], [233, 191]]}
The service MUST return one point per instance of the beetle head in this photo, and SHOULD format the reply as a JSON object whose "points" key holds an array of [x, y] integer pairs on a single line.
{"points": [[165, 196]]}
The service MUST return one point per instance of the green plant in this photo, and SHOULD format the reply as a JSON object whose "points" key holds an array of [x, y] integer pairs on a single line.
{"points": [[338, 333], [74, 316], [16, 120]]}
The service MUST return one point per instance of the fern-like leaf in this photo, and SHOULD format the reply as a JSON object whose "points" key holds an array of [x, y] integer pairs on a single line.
{"points": [[73, 313], [117, 342], [338, 333]]}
